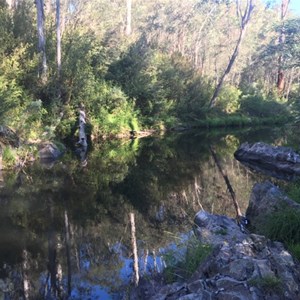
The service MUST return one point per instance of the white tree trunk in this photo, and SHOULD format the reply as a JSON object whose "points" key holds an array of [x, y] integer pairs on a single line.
{"points": [[280, 73], [134, 250], [128, 18], [41, 39], [82, 142], [58, 38], [244, 20], [82, 135], [25, 271]]}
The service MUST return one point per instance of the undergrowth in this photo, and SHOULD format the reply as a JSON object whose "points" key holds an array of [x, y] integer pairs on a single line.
{"points": [[284, 226], [183, 266]]}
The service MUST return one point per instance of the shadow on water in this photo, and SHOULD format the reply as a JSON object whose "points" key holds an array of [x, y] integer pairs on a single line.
{"points": [[65, 230]]}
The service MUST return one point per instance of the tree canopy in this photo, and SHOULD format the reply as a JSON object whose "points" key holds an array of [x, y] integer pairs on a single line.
{"points": [[137, 64]]}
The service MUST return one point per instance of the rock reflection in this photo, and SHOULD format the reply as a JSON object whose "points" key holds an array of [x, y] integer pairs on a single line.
{"points": [[73, 224]]}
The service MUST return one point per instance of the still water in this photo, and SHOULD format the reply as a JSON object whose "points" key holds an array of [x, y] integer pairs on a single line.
{"points": [[64, 229]]}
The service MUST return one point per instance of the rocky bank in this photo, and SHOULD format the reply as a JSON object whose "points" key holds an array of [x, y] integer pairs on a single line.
{"points": [[240, 266]]}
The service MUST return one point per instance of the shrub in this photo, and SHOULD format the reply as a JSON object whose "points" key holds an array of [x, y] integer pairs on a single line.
{"points": [[8, 157], [229, 99], [257, 105], [182, 264]]}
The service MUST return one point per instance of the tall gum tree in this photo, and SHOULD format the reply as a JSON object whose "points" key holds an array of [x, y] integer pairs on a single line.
{"points": [[128, 17], [244, 18], [58, 38], [281, 40], [41, 39]]}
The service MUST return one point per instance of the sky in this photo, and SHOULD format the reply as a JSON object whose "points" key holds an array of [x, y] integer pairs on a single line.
{"points": [[295, 6]]}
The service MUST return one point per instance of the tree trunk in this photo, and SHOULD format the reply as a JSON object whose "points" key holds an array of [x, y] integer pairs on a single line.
{"points": [[82, 142], [229, 186], [52, 253], [58, 47], [134, 250], [128, 18], [58, 38], [68, 252], [281, 40], [41, 39], [12, 4], [244, 20], [25, 274], [1, 166]]}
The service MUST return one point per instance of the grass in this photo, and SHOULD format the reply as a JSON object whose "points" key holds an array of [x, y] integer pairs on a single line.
{"points": [[237, 121], [284, 226], [268, 284], [8, 157], [293, 191], [179, 268]]}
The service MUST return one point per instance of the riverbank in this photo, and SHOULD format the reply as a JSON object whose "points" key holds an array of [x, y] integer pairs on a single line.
{"points": [[240, 266]]}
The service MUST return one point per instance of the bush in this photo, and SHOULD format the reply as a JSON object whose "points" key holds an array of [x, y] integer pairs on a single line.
{"points": [[229, 99], [8, 157], [257, 105], [110, 111], [162, 85]]}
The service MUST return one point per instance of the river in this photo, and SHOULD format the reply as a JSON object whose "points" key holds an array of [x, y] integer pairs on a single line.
{"points": [[64, 228]]}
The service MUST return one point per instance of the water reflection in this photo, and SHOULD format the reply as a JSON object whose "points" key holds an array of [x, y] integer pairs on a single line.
{"points": [[65, 230]]}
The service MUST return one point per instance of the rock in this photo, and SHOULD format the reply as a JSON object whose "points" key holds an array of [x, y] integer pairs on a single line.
{"points": [[49, 152], [240, 267], [265, 199], [9, 137], [277, 161]]}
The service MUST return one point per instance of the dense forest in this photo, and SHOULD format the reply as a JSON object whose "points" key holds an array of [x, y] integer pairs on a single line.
{"points": [[124, 68], [146, 64]]}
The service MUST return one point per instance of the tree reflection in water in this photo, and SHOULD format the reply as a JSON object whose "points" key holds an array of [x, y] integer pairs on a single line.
{"points": [[65, 230]]}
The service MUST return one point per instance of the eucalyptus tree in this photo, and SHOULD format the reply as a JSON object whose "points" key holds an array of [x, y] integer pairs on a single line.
{"points": [[58, 38], [41, 39], [244, 18], [280, 75], [128, 17]]}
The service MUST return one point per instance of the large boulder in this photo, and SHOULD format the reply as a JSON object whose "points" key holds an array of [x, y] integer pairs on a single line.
{"points": [[280, 162], [240, 266], [265, 199], [49, 152]]}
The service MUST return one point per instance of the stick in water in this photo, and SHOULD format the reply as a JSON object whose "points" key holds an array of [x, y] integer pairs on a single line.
{"points": [[134, 249]]}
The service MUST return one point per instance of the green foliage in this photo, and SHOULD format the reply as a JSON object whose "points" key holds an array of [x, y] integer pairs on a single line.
{"points": [[295, 250], [293, 191], [162, 85], [110, 110], [8, 157], [182, 264], [258, 105], [229, 99], [10, 96], [284, 226], [269, 284], [162, 75]]}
